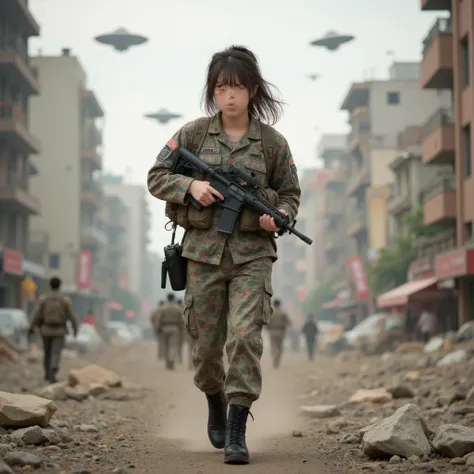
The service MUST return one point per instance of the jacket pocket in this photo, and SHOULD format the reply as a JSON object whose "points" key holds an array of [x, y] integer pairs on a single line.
{"points": [[267, 310], [249, 220], [189, 318]]}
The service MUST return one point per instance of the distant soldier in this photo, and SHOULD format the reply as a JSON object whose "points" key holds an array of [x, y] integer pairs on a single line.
{"points": [[277, 328], [154, 324], [51, 315], [170, 328], [310, 331]]}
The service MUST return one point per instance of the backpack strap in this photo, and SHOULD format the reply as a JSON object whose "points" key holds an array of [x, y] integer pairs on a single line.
{"points": [[269, 144], [201, 126]]}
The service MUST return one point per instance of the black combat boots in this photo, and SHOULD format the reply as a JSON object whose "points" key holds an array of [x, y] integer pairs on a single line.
{"points": [[217, 421], [236, 451]]}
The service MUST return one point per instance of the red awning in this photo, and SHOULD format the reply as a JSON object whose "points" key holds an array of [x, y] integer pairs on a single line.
{"points": [[331, 304], [114, 305], [399, 296]]}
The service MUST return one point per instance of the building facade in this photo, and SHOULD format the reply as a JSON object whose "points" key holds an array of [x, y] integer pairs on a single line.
{"points": [[66, 117], [448, 64], [18, 202]]}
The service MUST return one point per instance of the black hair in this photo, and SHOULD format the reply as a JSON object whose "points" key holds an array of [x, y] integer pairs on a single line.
{"points": [[239, 64], [170, 296], [276, 303], [55, 283]]}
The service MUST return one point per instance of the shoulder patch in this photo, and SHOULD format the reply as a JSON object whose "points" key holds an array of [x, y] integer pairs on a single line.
{"points": [[168, 149], [293, 170]]}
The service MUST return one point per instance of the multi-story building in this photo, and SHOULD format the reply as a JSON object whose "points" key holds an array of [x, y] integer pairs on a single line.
{"points": [[412, 179], [18, 82], [379, 110], [66, 119], [137, 228], [332, 149], [448, 63]]}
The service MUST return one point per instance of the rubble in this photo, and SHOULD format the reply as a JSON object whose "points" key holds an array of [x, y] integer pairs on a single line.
{"points": [[18, 410], [454, 440], [404, 434], [93, 374], [377, 395], [8, 353], [321, 411]]}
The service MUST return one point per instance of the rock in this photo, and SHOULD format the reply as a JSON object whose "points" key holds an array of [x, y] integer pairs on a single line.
{"points": [[5, 468], [376, 395], [453, 358], [410, 347], [395, 460], [297, 434], [22, 459], [32, 435], [435, 344], [321, 411], [19, 411], [97, 389], [401, 391], [404, 434], [93, 374], [454, 440], [350, 439], [470, 397], [78, 393], [458, 461], [55, 391], [334, 426], [87, 428], [469, 458]]}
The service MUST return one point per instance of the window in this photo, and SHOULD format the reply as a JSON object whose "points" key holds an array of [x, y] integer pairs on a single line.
{"points": [[467, 151], [54, 260], [468, 231], [465, 62], [393, 98]]}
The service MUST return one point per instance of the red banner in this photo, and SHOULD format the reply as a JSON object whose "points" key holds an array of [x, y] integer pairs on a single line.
{"points": [[84, 269], [359, 277], [12, 262]]}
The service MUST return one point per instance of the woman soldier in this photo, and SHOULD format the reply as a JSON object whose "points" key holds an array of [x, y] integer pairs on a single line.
{"points": [[228, 289]]}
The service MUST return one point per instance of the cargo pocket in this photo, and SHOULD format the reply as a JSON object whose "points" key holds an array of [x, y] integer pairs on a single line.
{"points": [[200, 218], [178, 214], [249, 220], [267, 309], [189, 319]]}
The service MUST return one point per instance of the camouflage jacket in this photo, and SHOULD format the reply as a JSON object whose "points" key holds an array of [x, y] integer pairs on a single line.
{"points": [[67, 314], [279, 321], [207, 245]]}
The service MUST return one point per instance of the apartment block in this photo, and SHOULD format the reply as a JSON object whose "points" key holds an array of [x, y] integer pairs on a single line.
{"points": [[138, 226], [413, 180], [67, 119], [448, 64], [378, 111], [18, 202], [332, 149]]}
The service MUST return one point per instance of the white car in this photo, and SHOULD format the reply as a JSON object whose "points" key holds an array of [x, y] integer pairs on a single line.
{"points": [[14, 324], [87, 340], [120, 332]]}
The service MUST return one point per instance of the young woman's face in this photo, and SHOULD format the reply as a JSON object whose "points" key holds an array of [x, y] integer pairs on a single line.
{"points": [[232, 99]]}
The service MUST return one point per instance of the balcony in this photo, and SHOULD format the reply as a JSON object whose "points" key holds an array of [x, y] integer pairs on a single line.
{"points": [[410, 138], [14, 62], [435, 5], [399, 204], [21, 13], [436, 70], [14, 128], [360, 179], [359, 138], [15, 197], [439, 201], [93, 238], [357, 222], [91, 193], [92, 106], [92, 158], [438, 138]]}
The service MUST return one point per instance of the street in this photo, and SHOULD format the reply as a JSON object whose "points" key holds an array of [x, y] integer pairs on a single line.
{"points": [[309, 419]]}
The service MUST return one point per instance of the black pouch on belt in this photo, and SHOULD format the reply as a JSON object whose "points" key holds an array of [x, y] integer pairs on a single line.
{"points": [[174, 265]]}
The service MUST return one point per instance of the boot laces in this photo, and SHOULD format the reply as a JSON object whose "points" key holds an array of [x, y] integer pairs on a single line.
{"points": [[236, 429]]}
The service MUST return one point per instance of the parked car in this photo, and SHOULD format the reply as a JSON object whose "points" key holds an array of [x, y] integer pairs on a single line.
{"points": [[87, 340], [377, 333], [14, 324]]}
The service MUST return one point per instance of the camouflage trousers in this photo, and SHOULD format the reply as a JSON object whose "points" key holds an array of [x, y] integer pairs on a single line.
{"points": [[171, 338], [227, 306], [276, 344]]}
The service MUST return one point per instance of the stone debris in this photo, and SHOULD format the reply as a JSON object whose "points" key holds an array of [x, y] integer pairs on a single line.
{"points": [[454, 440], [404, 434], [377, 395], [22, 459], [36, 435], [19, 410], [93, 374], [321, 411]]}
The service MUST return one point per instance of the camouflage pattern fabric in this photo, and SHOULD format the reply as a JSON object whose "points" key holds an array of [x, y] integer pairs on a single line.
{"points": [[207, 245], [230, 301]]}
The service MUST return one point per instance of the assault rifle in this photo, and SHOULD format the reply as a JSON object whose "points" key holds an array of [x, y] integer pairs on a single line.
{"points": [[239, 190]]}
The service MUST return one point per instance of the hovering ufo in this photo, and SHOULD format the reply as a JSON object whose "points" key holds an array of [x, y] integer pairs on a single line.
{"points": [[312, 77], [163, 116], [121, 39], [332, 40]]}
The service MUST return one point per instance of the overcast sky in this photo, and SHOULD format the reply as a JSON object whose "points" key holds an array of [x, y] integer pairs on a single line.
{"points": [[169, 70]]}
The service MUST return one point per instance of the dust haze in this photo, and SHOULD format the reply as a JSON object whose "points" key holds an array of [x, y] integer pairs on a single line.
{"points": [[186, 420]]}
